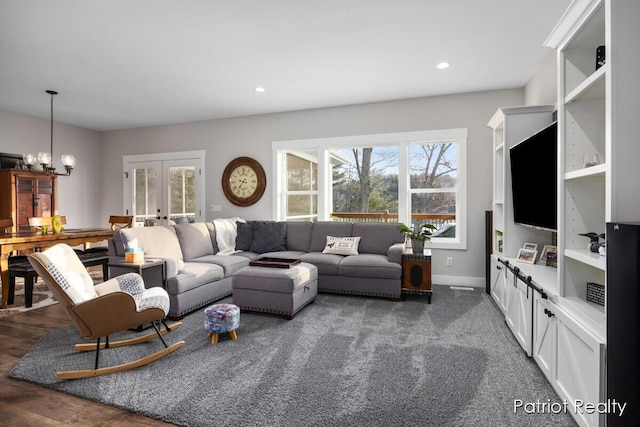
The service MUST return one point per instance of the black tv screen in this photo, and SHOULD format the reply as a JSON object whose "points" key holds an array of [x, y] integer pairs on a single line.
{"points": [[534, 171]]}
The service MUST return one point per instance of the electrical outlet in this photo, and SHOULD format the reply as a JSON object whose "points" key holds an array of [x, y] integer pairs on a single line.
{"points": [[216, 208], [449, 261]]}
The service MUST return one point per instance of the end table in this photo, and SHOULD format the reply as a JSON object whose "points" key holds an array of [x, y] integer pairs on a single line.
{"points": [[416, 273], [152, 270]]}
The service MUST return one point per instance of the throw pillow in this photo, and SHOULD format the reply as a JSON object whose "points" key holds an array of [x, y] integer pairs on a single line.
{"points": [[244, 236], [341, 245], [269, 236]]}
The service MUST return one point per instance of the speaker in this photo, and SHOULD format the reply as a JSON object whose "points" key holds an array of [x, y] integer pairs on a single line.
{"points": [[600, 57], [416, 274]]}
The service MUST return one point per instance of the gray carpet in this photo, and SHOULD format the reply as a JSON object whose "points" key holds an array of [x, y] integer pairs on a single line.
{"points": [[342, 361]]}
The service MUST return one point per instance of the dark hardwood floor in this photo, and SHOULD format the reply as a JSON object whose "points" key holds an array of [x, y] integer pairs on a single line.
{"points": [[25, 404]]}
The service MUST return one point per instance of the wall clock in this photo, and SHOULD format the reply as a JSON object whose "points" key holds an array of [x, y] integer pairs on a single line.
{"points": [[243, 181]]}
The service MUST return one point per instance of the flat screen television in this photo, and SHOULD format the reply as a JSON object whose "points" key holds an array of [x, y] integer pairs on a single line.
{"points": [[534, 172]]}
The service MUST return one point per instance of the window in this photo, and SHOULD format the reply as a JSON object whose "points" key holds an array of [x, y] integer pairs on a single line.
{"points": [[409, 177], [301, 192]]}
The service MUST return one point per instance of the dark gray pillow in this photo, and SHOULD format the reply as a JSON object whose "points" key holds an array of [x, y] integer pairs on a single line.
{"points": [[244, 236], [269, 236]]}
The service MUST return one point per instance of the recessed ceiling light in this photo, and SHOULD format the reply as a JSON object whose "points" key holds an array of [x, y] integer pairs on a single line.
{"points": [[259, 89], [443, 65]]}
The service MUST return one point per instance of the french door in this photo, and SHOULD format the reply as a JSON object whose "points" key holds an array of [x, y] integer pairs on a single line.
{"points": [[162, 189]]}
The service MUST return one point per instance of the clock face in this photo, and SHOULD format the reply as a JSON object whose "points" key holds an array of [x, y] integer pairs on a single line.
{"points": [[243, 181]]}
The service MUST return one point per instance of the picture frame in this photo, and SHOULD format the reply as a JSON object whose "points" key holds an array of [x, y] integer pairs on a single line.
{"points": [[527, 255], [545, 251], [531, 246]]}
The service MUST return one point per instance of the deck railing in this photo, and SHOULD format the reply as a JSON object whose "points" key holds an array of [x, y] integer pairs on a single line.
{"points": [[438, 220]]}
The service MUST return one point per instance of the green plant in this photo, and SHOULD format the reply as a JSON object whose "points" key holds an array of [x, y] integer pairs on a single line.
{"points": [[422, 233]]}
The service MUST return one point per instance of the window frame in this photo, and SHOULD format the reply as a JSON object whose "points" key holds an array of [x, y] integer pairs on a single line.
{"points": [[401, 139]]}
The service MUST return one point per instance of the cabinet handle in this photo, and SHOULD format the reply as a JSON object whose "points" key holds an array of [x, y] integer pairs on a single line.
{"points": [[548, 312]]}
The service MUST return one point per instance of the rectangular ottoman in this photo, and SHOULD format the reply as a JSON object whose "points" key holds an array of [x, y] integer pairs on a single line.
{"points": [[283, 291]]}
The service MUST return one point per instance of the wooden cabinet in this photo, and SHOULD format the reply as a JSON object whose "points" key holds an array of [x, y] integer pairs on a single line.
{"points": [[25, 194]]}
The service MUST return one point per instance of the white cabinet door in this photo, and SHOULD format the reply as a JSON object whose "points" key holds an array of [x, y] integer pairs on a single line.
{"points": [[579, 368], [498, 283], [518, 314], [544, 336]]}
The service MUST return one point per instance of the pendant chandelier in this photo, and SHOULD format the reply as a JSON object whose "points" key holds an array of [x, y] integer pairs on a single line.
{"points": [[44, 158]]}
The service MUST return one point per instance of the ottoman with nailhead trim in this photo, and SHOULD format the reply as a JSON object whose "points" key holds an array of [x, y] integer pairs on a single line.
{"points": [[282, 291]]}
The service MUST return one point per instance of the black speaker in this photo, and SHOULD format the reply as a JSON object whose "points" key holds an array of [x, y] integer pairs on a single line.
{"points": [[600, 57]]}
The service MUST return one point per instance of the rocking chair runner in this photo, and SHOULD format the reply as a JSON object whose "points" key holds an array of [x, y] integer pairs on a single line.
{"points": [[104, 309]]}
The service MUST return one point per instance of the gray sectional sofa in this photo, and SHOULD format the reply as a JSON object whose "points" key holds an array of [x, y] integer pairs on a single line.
{"points": [[198, 274]]}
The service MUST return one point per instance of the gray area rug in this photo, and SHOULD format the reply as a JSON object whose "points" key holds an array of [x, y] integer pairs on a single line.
{"points": [[342, 361]]}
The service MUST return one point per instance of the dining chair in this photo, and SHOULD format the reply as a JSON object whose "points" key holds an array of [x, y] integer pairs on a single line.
{"points": [[18, 267]]}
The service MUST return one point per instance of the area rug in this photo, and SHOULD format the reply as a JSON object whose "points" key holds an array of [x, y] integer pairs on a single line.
{"points": [[341, 361], [42, 297]]}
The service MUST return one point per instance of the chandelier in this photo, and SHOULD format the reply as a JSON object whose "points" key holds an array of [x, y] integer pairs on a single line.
{"points": [[44, 158]]}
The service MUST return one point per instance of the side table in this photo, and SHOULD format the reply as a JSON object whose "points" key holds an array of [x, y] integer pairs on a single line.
{"points": [[416, 273], [152, 270]]}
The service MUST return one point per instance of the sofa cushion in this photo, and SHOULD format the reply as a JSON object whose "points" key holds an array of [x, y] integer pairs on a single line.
{"points": [[244, 236], [377, 238], [370, 265], [299, 236], [158, 241], [229, 263], [193, 275], [327, 264], [282, 254], [268, 236], [341, 245], [195, 240], [322, 229]]}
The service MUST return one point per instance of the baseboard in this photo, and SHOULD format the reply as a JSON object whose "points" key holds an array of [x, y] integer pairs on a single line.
{"points": [[474, 282]]}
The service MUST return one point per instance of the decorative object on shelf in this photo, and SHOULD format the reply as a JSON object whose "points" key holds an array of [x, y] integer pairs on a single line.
{"points": [[531, 246], [527, 255], [499, 240], [594, 244], [44, 158], [595, 293], [590, 160], [600, 57], [546, 251], [244, 181], [417, 235], [56, 224], [552, 259]]}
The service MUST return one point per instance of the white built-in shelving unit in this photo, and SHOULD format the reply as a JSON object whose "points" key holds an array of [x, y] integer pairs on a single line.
{"points": [[597, 112]]}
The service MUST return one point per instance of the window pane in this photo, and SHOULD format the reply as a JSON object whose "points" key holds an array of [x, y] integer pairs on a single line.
{"points": [[438, 209], [365, 181], [433, 165], [145, 188], [182, 193], [302, 174], [302, 205]]}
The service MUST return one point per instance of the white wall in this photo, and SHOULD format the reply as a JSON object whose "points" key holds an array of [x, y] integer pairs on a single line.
{"points": [[79, 195], [542, 87], [251, 136]]}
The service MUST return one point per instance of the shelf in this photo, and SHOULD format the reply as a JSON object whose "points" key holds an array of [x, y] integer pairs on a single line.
{"points": [[498, 202], [598, 170], [592, 88], [500, 147], [585, 256]]}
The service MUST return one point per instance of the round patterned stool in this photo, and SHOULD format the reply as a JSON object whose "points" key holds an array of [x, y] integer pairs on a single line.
{"points": [[221, 318]]}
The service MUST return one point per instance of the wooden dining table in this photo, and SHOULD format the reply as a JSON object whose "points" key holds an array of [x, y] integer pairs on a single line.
{"points": [[10, 242]]}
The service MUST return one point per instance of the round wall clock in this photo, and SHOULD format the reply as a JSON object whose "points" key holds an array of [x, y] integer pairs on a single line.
{"points": [[243, 181]]}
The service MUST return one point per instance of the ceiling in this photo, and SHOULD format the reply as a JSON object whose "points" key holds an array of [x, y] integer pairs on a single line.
{"points": [[121, 64]]}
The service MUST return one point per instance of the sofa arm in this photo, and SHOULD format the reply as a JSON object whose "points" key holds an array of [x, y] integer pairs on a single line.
{"points": [[395, 253]]}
